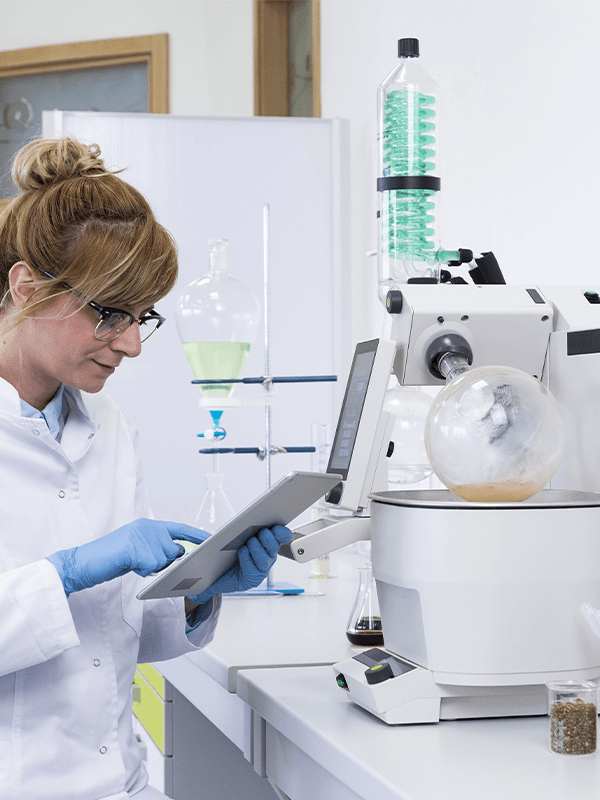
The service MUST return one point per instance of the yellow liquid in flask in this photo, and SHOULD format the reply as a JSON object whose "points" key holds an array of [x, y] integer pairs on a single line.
{"points": [[223, 360]]}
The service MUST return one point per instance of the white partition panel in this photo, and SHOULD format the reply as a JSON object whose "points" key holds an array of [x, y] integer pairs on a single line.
{"points": [[209, 178]]}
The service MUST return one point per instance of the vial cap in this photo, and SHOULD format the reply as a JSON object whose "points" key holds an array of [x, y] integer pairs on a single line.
{"points": [[408, 48]]}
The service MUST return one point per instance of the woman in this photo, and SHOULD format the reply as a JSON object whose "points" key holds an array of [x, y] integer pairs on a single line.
{"points": [[82, 264]]}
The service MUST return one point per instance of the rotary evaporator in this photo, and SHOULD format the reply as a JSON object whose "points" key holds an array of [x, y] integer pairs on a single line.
{"points": [[480, 585]]}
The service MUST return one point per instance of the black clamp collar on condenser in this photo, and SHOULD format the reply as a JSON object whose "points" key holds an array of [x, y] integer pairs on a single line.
{"points": [[412, 182]]}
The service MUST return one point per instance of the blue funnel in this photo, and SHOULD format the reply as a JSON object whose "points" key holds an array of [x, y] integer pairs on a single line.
{"points": [[216, 416]]}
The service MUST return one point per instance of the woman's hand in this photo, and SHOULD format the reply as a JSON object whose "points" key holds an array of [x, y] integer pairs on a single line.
{"points": [[255, 559], [143, 546]]}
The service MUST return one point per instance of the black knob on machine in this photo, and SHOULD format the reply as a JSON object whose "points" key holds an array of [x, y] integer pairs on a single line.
{"points": [[379, 673], [393, 301]]}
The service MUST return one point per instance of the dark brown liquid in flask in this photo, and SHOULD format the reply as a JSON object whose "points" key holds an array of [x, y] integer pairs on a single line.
{"points": [[366, 633]]}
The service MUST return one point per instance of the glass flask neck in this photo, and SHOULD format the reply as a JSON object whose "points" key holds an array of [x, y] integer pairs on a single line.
{"points": [[217, 257], [365, 576], [452, 365]]}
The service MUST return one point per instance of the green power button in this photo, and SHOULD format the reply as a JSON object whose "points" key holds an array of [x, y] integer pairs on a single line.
{"points": [[341, 681]]}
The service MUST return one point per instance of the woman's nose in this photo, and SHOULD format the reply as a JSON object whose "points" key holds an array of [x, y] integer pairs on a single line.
{"points": [[128, 342]]}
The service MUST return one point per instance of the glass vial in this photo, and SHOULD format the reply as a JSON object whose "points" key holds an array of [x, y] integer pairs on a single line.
{"points": [[364, 626], [573, 717], [320, 567]]}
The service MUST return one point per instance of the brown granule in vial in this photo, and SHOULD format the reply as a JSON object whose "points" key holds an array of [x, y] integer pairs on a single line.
{"points": [[573, 727]]}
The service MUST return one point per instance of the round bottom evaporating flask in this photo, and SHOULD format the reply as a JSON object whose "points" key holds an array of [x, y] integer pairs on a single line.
{"points": [[364, 626], [494, 434]]}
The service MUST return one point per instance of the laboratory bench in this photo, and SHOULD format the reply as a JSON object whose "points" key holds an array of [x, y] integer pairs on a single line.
{"points": [[258, 714]]}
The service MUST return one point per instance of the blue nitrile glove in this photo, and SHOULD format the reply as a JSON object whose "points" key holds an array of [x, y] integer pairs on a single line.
{"points": [[143, 546], [255, 559]]}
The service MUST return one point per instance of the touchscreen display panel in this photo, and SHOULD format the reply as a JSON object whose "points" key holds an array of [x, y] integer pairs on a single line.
{"points": [[354, 400]]}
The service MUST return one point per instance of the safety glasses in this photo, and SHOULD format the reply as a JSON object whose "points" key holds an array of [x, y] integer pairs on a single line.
{"points": [[113, 322]]}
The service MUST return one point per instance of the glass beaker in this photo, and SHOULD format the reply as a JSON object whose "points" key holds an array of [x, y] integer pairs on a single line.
{"points": [[364, 626], [573, 717]]}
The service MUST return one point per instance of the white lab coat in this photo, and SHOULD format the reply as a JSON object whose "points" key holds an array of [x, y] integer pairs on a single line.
{"points": [[66, 666]]}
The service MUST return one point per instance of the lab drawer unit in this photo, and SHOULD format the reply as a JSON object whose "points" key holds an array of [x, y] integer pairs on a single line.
{"points": [[153, 709]]}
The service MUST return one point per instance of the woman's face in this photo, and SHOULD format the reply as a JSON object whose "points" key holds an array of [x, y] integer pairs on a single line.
{"points": [[59, 346]]}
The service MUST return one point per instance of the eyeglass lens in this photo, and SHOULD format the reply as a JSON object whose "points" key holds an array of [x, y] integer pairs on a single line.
{"points": [[115, 324]]}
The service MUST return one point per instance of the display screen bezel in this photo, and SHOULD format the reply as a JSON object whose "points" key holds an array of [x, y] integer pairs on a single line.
{"points": [[361, 348]]}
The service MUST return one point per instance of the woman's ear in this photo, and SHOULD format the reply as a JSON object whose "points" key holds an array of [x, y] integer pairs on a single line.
{"points": [[22, 282]]}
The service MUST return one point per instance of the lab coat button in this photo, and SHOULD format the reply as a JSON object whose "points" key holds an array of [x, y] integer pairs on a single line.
{"points": [[91, 436], [103, 749], [36, 432], [96, 662], [61, 494]]}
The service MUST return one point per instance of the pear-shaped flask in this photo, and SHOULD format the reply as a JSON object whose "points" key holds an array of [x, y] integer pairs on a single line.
{"points": [[217, 318]]}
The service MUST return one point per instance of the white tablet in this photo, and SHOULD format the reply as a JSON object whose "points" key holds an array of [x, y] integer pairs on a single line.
{"points": [[284, 501]]}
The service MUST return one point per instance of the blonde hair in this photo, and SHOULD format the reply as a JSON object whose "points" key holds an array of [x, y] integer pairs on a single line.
{"points": [[86, 227]]}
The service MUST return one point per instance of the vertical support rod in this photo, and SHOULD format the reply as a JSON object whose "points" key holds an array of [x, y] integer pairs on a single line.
{"points": [[267, 359], [267, 341]]}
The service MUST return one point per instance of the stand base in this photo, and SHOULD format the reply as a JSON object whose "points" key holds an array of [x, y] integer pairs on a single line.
{"points": [[276, 589]]}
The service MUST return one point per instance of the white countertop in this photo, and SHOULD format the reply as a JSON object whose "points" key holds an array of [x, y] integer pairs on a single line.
{"points": [[490, 759]]}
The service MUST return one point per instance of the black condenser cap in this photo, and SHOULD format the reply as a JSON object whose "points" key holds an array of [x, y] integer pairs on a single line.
{"points": [[408, 47]]}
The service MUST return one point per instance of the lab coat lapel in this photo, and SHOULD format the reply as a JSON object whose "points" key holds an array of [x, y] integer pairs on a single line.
{"points": [[79, 431]]}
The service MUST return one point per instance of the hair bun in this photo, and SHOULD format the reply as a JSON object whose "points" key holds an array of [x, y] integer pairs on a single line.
{"points": [[44, 162]]}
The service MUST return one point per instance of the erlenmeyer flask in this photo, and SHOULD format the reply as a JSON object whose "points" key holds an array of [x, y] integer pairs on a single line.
{"points": [[364, 625], [215, 509], [217, 317]]}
